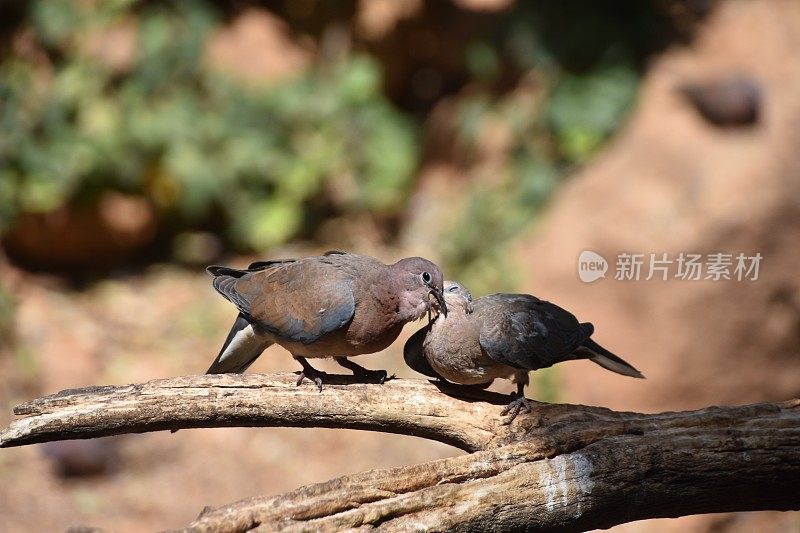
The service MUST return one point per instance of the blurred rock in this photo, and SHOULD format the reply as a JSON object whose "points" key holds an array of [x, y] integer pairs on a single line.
{"points": [[83, 237], [731, 101], [258, 47], [376, 18], [672, 183], [114, 47], [83, 458], [125, 215]]}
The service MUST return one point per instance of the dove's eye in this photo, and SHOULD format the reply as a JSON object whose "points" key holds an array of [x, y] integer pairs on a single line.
{"points": [[426, 278]]}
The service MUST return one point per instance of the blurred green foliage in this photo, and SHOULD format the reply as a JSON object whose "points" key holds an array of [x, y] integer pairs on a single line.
{"points": [[577, 69], [6, 316], [266, 163], [257, 161]]}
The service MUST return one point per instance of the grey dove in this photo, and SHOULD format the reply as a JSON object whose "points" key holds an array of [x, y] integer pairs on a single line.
{"points": [[335, 305], [503, 336]]}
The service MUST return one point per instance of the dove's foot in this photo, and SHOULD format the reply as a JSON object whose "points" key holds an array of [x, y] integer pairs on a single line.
{"points": [[364, 374], [309, 372], [519, 403]]}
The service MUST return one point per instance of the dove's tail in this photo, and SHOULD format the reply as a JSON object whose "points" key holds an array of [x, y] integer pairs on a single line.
{"points": [[596, 353]]}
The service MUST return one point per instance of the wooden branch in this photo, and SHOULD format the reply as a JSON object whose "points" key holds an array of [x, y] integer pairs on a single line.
{"points": [[408, 407], [561, 468], [579, 471]]}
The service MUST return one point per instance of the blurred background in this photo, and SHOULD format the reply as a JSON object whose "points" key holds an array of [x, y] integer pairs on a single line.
{"points": [[141, 141]]}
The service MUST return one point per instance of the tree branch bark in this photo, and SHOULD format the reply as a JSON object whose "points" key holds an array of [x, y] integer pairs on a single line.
{"points": [[408, 407], [561, 468]]}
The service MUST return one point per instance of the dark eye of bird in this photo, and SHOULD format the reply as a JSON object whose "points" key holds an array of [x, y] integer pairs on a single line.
{"points": [[426, 277], [452, 289]]}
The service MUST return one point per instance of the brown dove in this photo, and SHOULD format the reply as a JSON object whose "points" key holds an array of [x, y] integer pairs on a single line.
{"points": [[336, 305], [503, 336]]}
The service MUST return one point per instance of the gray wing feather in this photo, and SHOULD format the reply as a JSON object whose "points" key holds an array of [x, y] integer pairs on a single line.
{"points": [[287, 298], [525, 332], [226, 286], [300, 330]]}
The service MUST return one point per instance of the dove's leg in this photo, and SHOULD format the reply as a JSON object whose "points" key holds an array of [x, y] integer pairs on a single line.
{"points": [[519, 402]]}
